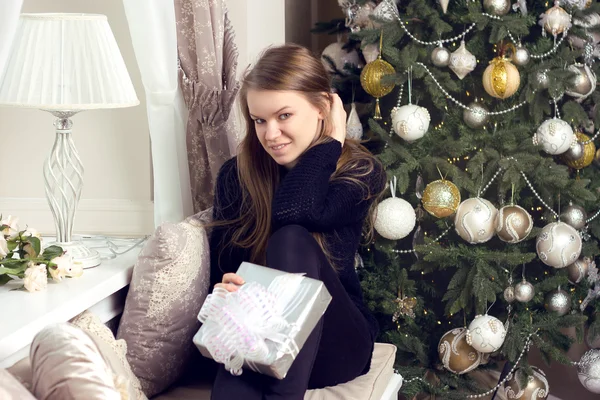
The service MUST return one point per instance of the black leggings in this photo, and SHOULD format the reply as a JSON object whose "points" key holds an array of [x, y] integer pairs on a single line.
{"points": [[338, 350]]}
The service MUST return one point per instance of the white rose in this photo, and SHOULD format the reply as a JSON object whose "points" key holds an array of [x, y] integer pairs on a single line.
{"points": [[32, 232], [65, 264], [36, 277], [76, 270], [13, 225], [3, 247], [57, 274]]}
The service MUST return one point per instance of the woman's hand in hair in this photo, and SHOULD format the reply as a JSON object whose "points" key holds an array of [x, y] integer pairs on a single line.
{"points": [[338, 118], [231, 282]]}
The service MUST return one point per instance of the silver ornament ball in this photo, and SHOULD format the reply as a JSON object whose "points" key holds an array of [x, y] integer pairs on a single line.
{"points": [[574, 215], [440, 56], [497, 7], [521, 56], [524, 291], [588, 370], [509, 294], [477, 116], [575, 152], [577, 271], [558, 245], [558, 301], [541, 80]]}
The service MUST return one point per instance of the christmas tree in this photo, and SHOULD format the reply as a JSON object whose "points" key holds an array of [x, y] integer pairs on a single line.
{"points": [[485, 244]]}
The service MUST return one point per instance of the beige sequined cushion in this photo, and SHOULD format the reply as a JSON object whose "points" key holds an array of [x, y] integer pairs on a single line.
{"points": [[11, 388], [67, 365], [169, 284], [114, 352]]}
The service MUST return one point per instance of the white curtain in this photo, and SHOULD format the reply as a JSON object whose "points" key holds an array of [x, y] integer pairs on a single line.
{"points": [[154, 37], [9, 18]]}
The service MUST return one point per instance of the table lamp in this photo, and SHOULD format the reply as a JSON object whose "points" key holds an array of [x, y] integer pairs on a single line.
{"points": [[64, 64]]}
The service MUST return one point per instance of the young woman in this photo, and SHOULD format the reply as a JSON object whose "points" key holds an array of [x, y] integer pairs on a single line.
{"points": [[296, 199]]}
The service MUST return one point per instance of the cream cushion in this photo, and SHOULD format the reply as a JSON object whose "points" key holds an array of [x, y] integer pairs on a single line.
{"points": [[11, 388], [66, 364], [168, 286], [112, 350], [366, 387]]}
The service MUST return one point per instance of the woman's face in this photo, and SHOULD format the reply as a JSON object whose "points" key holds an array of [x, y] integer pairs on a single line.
{"points": [[286, 123]]}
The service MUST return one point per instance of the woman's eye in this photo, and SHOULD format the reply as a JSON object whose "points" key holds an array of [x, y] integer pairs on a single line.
{"points": [[258, 121], [285, 116]]}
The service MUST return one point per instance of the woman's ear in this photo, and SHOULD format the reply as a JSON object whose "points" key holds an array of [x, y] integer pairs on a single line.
{"points": [[328, 100]]}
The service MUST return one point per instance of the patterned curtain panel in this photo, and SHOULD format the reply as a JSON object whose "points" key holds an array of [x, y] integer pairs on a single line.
{"points": [[207, 72]]}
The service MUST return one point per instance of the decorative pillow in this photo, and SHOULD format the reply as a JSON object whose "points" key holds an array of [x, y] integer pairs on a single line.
{"points": [[169, 284], [11, 388], [67, 365], [114, 351], [21, 370]]}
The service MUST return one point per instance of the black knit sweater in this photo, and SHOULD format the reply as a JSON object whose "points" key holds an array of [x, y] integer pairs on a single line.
{"points": [[304, 197]]}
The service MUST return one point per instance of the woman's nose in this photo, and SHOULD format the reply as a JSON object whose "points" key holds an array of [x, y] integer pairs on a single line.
{"points": [[272, 131]]}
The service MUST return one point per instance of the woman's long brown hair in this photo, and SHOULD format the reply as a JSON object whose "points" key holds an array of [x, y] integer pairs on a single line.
{"points": [[288, 67]]}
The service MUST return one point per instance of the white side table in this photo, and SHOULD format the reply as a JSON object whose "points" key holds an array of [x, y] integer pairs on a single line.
{"points": [[101, 289]]}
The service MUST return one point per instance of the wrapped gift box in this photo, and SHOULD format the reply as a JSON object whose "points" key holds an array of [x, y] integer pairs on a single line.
{"points": [[264, 324]]}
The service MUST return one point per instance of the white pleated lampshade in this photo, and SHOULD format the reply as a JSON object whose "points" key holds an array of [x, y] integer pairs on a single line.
{"points": [[66, 62]]}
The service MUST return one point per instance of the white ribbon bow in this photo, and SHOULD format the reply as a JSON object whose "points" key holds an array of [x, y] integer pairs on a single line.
{"points": [[250, 324]]}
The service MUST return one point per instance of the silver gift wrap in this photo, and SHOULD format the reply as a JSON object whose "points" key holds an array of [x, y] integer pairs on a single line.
{"points": [[300, 303]]}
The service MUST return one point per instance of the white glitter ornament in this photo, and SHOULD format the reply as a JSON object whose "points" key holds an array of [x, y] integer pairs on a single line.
{"points": [[475, 220], [395, 217], [486, 333], [340, 57], [588, 370], [462, 62], [558, 245], [354, 128], [555, 136], [410, 122]]}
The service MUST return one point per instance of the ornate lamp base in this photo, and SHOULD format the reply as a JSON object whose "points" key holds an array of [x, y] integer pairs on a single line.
{"points": [[89, 258], [63, 181]]}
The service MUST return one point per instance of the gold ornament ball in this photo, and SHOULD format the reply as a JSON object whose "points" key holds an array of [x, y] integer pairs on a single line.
{"points": [[456, 354], [501, 79], [441, 198], [513, 224], [589, 152], [536, 386], [371, 78]]}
